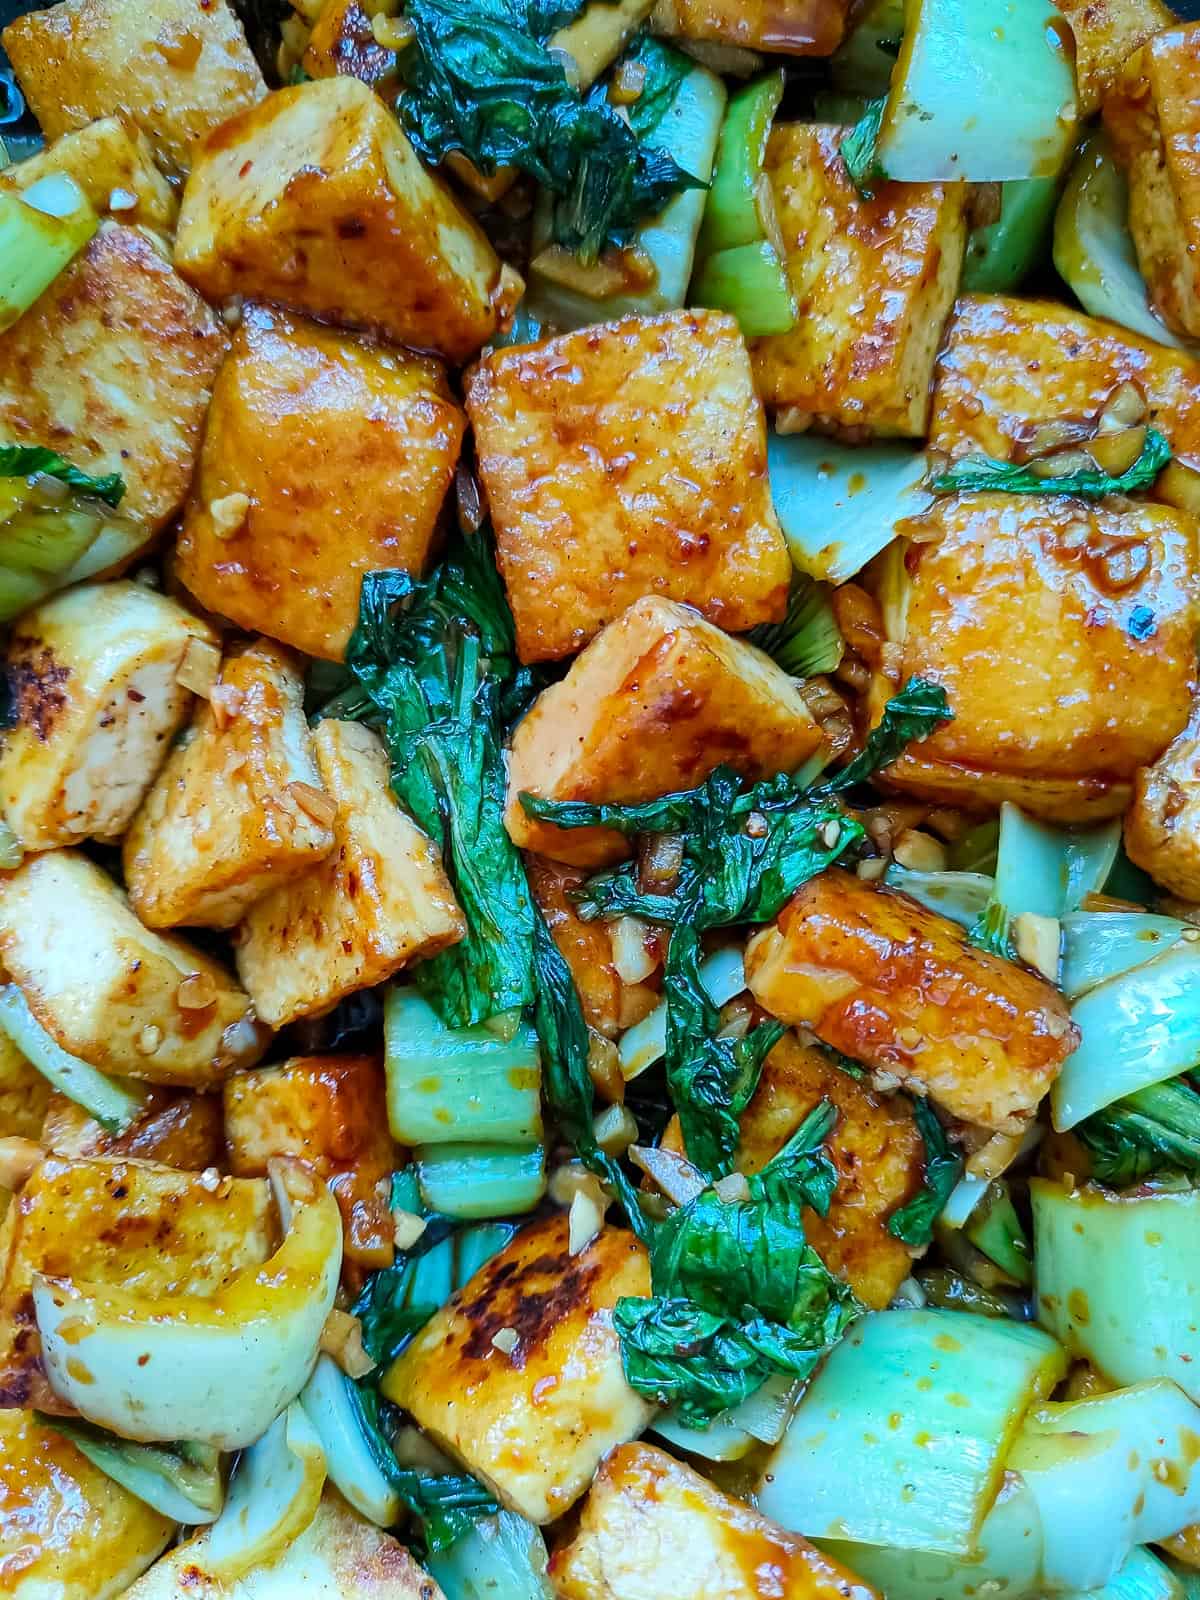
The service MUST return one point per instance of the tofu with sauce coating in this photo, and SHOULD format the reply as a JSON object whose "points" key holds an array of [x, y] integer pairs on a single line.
{"points": [[380, 900], [24, 1094], [624, 460], [1162, 826], [649, 1518], [1153, 119], [874, 279], [875, 1146], [1008, 365], [239, 809], [900, 989], [325, 456], [796, 27], [112, 367], [113, 163], [1062, 632], [93, 676], [657, 700], [331, 1111], [176, 68], [1107, 32], [342, 43], [316, 199], [141, 1225], [129, 1001], [535, 1422], [177, 1128], [66, 1529]]}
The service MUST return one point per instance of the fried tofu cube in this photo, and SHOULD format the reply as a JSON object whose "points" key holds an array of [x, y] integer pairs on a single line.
{"points": [[67, 1530], [316, 199], [93, 679], [175, 68], [900, 989], [342, 42], [339, 1556], [24, 1094], [379, 901], [1153, 117], [657, 700], [648, 1519], [535, 1423], [113, 164], [176, 1128], [343, 450], [1008, 365], [131, 1002], [112, 367], [875, 280], [239, 809], [146, 1227], [1162, 826], [610, 1003], [796, 27], [1106, 33], [332, 1112], [875, 1145], [1062, 632], [624, 460]]}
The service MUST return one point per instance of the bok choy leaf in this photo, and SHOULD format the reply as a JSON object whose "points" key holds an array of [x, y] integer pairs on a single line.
{"points": [[977, 474], [913, 1223], [1156, 1130]]}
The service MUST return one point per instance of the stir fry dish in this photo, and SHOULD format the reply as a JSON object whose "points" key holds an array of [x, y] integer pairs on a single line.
{"points": [[600, 800]]}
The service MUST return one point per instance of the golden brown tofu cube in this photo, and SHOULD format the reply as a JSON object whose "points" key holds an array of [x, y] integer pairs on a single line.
{"points": [[342, 43], [129, 1001], [649, 1520], [1062, 632], [796, 27], [900, 989], [610, 1004], [315, 198], [1162, 826], [94, 678], [175, 68], [332, 1112], [112, 367], [533, 1423], [66, 1529], [875, 1146], [380, 900], [343, 450], [1153, 116], [113, 164], [24, 1094], [238, 810], [657, 700], [624, 460], [1106, 33], [1008, 365], [146, 1227], [176, 1128], [875, 280]]}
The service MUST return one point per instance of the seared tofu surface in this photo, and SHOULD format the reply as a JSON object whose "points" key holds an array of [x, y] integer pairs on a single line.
{"points": [[112, 161], [1162, 825], [533, 1422], [795, 27], [625, 460], [1107, 32], [24, 1094], [175, 1127]]}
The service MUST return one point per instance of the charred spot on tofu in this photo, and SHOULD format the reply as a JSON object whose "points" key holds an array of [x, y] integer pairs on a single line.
{"points": [[342, 43], [35, 685], [622, 460], [875, 280], [898, 987], [657, 700]]}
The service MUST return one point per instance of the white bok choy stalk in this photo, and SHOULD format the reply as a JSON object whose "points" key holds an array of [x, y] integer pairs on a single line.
{"points": [[1142, 1577], [217, 1370], [183, 1481], [1118, 1278], [901, 1437], [1108, 1473], [353, 1469], [273, 1496], [961, 896], [1099, 945], [498, 1558]]}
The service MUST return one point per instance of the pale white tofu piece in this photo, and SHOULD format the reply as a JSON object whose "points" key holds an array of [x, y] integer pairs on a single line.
{"points": [[339, 1556], [112, 367], [533, 1423], [113, 164], [316, 199], [239, 809], [67, 1531], [380, 900], [137, 1224], [176, 68], [649, 1519], [93, 674], [131, 1002]]}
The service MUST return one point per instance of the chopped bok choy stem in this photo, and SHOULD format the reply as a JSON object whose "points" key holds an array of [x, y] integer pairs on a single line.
{"points": [[41, 232], [497, 1558], [481, 1181], [961, 896], [475, 1247], [1001, 254], [863, 62], [995, 1229], [1099, 945], [115, 1103], [808, 640], [182, 1481], [352, 1465], [273, 1496]]}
